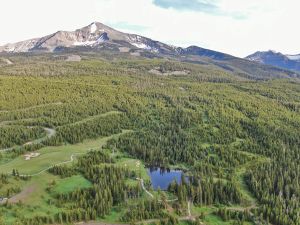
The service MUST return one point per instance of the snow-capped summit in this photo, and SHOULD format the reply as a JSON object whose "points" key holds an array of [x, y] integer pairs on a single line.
{"points": [[94, 35], [98, 36]]}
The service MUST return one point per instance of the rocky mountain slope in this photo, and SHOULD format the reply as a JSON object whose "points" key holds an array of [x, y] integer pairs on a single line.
{"points": [[99, 36], [291, 62], [103, 39], [95, 35]]}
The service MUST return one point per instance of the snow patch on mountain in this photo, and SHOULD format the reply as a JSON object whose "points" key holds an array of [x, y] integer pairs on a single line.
{"points": [[141, 45], [10, 48], [93, 28], [255, 58], [84, 43], [92, 35], [293, 57]]}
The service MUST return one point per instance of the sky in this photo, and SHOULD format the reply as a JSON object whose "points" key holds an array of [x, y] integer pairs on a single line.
{"points": [[237, 27]]}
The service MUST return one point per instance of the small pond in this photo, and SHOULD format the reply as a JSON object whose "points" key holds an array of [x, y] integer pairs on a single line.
{"points": [[161, 178]]}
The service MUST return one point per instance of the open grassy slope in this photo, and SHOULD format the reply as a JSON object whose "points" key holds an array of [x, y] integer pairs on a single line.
{"points": [[50, 156]]}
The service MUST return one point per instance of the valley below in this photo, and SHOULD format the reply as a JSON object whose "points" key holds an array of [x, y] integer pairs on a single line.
{"points": [[117, 139]]}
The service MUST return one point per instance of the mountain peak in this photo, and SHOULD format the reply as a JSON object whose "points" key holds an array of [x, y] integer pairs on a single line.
{"points": [[271, 57], [273, 51], [97, 36], [97, 25], [93, 27], [94, 35]]}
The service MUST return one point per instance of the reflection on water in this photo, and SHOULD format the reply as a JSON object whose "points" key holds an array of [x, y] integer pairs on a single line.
{"points": [[161, 178]]}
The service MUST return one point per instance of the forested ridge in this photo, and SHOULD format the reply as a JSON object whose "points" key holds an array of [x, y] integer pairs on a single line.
{"points": [[236, 139]]}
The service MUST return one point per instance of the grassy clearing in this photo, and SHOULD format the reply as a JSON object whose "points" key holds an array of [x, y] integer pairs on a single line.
{"points": [[97, 116], [239, 178], [113, 217], [53, 155], [132, 165], [214, 220], [205, 210], [183, 222], [71, 184], [8, 189], [35, 203], [210, 218], [248, 198]]}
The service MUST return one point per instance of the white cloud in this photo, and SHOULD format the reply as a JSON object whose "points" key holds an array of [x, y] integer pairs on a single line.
{"points": [[269, 24]]}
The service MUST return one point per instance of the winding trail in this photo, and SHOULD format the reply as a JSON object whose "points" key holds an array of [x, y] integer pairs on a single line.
{"points": [[189, 209], [49, 133], [189, 217], [91, 118], [151, 195], [143, 187], [250, 201], [4, 200], [11, 200], [58, 164]]}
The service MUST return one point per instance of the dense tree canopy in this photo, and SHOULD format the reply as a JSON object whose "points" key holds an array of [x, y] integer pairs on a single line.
{"points": [[231, 136]]}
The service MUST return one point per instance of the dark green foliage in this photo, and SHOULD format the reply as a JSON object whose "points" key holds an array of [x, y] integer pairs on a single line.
{"points": [[203, 191], [238, 216], [18, 135], [229, 133], [109, 189], [63, 171], [144, 210], [102, 126]]}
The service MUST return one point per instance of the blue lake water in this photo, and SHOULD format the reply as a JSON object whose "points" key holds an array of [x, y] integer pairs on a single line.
{"points": [[161, 178]]}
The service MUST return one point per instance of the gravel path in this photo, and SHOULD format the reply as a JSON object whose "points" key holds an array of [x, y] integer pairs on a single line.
{"points": [[50, 132]]}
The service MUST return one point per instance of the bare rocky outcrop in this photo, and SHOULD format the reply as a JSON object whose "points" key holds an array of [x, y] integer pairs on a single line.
{"points": [[94, 35]]}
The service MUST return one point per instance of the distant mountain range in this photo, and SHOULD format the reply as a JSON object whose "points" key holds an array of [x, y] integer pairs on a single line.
{"points": [[98, 37], [95, 35], [290, 62]]}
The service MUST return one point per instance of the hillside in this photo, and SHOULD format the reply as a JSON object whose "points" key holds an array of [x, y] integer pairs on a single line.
{"points": [[81, 135], [104, 41], [62, 63], [290, 62]]}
